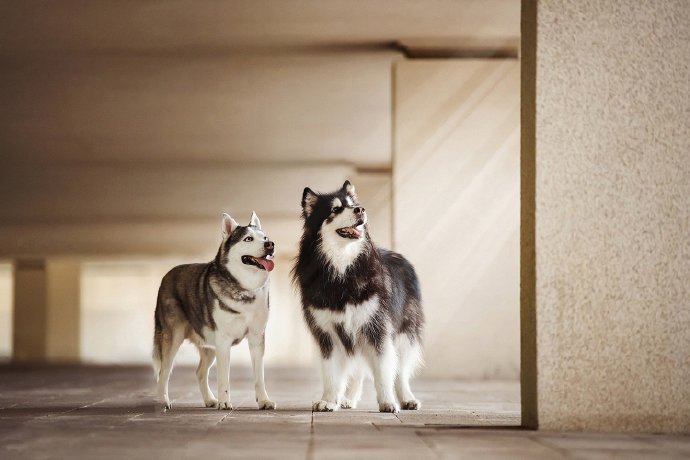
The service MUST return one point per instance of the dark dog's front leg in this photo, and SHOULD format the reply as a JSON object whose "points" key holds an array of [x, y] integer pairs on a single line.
{"points": [[334, 372]]}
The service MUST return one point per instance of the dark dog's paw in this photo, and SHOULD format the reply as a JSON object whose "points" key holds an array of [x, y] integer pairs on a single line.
{"points": [[389, 407], [211, 403], [412, 404], [348, 404], [266, 405], [324, 406]]}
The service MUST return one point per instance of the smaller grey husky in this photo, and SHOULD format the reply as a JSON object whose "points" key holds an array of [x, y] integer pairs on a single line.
{"points": [[215, 305]]}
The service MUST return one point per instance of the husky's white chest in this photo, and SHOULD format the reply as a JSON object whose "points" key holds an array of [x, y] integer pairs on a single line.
{"points": [[235, 320], [352, 318]]}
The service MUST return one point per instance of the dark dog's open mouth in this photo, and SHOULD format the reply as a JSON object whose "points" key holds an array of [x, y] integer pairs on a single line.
{"points": [[354, 232], [262, 263]]}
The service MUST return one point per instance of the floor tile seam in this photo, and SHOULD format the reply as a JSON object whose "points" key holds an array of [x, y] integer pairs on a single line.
{"points": [[235, 408], [427, 443]]}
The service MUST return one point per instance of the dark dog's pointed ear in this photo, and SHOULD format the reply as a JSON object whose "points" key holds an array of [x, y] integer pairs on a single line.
{"points": [[349, 189], [309, 198]]}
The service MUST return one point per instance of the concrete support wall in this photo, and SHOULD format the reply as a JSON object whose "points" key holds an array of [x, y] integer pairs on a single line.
{"points": [[30, 316], [456, 208], [46, 310], [609, 91]]}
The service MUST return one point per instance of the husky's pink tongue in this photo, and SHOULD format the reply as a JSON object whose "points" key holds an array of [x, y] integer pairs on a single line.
{"points": [[267, 264]]}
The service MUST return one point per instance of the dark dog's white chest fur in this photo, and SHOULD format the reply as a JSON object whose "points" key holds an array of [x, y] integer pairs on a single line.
{"points": [[350, 320]]}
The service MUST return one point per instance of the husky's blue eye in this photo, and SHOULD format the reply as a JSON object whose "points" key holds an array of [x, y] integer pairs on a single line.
{"points": [[249, 238]]}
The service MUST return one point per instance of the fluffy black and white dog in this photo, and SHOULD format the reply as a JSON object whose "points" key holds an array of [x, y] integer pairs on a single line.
{"points": [[362, 304]]}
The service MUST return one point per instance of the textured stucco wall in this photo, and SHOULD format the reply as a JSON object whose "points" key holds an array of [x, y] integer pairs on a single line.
{"points": [[613, 215]]}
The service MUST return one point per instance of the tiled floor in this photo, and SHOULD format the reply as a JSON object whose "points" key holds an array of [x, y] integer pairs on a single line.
{"points": [[94, 412]]}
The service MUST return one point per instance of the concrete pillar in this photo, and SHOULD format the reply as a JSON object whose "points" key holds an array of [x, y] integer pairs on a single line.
{"points": [[46, 310], [606, 215]]}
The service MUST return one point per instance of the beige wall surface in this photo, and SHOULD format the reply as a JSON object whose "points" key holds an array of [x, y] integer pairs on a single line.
{"points": [[6, 300], [613, 215], [456, 208]]}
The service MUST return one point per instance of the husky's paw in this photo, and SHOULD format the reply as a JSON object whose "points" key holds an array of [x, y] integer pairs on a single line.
{"points": [[389, 407], [324, 406], [348, 404], [163, 404], [266, 405], [225, 405], [412, 404], [213, 402]]}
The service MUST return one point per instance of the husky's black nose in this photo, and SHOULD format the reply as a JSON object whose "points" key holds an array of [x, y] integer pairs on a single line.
{"points": [[269, 245], [359, 210]]}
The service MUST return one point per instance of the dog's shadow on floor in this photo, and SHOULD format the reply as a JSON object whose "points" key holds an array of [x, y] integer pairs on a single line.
{"points": [[157, 409], [245, 410]]}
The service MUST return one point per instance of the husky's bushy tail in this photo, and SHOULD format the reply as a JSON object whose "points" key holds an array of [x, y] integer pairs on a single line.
{"points": [[157, 346], [156, 358]]}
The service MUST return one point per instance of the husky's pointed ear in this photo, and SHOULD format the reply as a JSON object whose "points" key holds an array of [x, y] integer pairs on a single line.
{"points": [[349, 189], [229, 225], [254, 220], [309, 198]]}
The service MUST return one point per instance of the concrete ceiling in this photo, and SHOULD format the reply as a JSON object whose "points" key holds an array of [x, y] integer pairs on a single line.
{"points": [[216, 81], [97, 25], [128, 126]]}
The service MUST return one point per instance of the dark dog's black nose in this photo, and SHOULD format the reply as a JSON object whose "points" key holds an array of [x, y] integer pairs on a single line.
{"points": [[269, 245], [359, 210]]}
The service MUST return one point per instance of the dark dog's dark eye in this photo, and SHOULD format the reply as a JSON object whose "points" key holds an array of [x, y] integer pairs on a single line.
{"points": [[336, 209], [249, 238]]}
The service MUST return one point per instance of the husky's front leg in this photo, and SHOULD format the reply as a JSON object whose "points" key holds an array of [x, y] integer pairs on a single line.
{"points": [[223, 375], [334, 371], [257, 346], [383, 361]]}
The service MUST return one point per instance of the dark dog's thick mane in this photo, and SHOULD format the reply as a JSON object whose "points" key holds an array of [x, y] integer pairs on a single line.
{"points": [[321, 284]]}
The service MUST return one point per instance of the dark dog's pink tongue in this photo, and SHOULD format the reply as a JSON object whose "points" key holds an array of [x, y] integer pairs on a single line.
{"points": [[267, 264]]}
